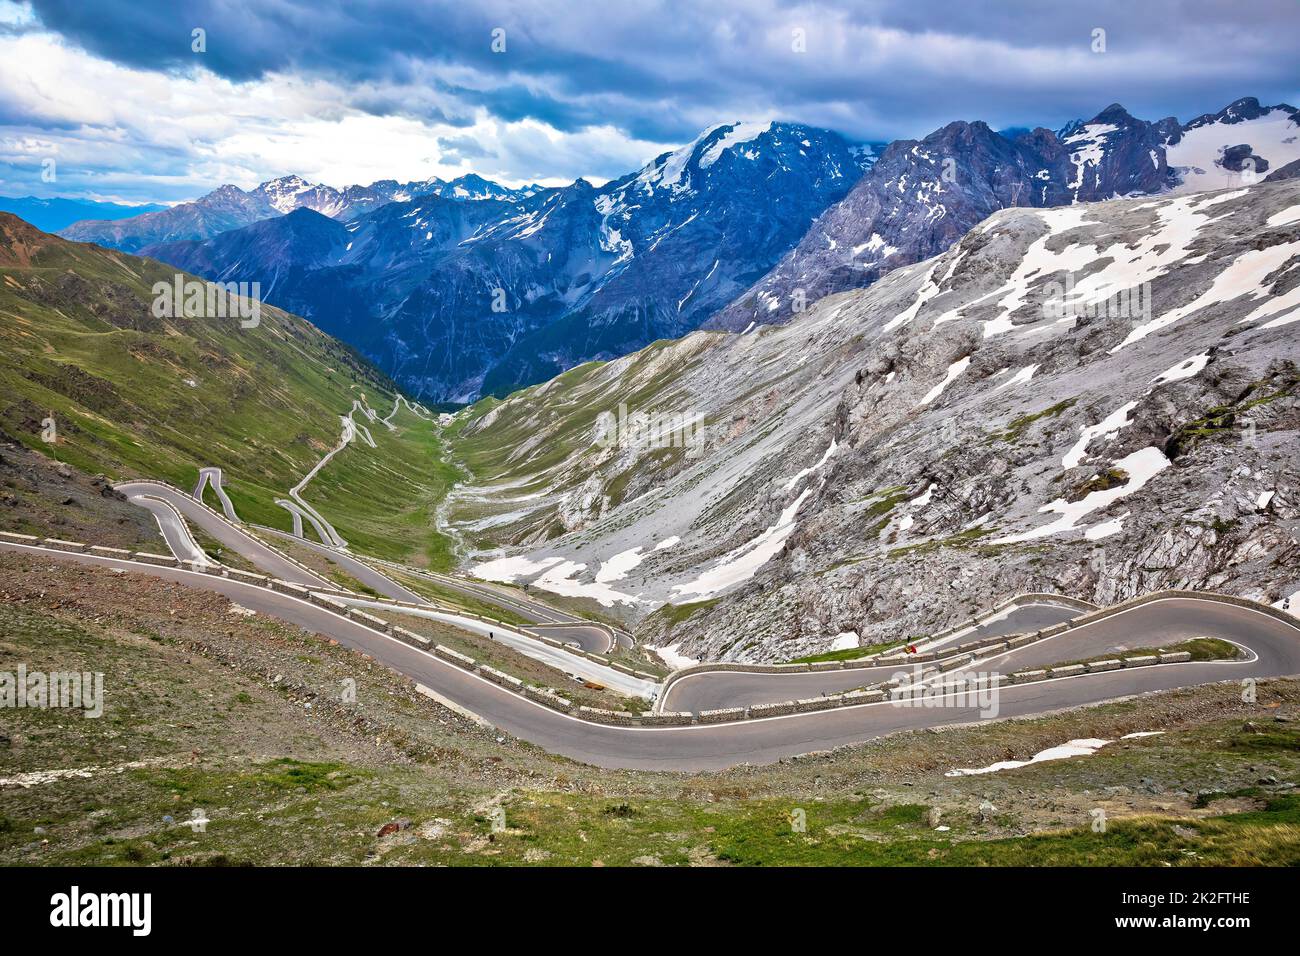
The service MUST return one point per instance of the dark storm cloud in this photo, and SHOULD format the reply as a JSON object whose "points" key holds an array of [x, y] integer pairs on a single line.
{"points": [[657, 70], [583, 88]]}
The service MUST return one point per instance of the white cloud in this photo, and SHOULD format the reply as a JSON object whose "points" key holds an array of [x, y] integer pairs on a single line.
{"points": [[118, 132]]}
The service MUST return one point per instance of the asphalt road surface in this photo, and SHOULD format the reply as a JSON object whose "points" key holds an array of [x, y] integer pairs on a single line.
{"points": [[1019, 620], [178, 538], [173, 528], [360, 570], [588, 637], [1273, 645], [712, 690], [268, 559], [557, 658], [214, 475]]}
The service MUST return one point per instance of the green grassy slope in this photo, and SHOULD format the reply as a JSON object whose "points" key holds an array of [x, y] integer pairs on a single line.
{"points": [[133, 395], [382, 500]]}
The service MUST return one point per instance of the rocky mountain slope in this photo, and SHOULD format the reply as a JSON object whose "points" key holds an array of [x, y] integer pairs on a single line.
{"points": [[454, 298], [1100, 400], [925, 194]]}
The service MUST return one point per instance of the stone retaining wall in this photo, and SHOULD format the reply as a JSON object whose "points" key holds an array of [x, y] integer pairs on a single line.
{"points": [[147, 557]]}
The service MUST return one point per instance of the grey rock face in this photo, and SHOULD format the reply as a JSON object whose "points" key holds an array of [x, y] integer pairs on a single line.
{"points": [[1097, 400]]}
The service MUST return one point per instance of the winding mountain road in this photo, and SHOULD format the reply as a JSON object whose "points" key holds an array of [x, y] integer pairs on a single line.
{"points": [[1272, 645], [213, 476], [266, 558], [589, 637], [169, 505], [541, 617], [363, 572], [174, 530], [712, 690]]}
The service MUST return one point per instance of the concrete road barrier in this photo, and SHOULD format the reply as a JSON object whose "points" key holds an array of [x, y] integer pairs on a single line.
{"points": [[500, 677], [119, 554], [548, 698], [148, 557], [1175, 657], [771, 710], [1068, 670], [248, 577], [671, 718], [816, 703], [955, 662], [619, 717], [369, 620], [1143, 660], [1025, 677], [299, 591], [325, 601], [19, 538], [1096, 667], [861, 697]]}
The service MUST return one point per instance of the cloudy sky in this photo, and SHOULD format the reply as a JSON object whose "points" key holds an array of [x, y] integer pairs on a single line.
{"points": [[349, 92]]}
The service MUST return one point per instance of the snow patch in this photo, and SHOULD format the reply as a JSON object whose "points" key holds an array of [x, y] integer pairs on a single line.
{"points": [[1020, 378], [738, 134], [668, 654], [1083, 747], [1105, 529], [1141, 467], [743, 563], [617, 567], [1108, 426], [1188, 368], [954, 370], [826, 456], [845, 640]]}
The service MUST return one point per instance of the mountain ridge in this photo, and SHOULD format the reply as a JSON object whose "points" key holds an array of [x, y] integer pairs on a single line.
{"points": [[454, 300], [1113, 154]]}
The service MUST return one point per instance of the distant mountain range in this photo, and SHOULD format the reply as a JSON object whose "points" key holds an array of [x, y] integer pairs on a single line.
{"points": [[51, 215], [230, 207], [467, 288], [457, 298]]}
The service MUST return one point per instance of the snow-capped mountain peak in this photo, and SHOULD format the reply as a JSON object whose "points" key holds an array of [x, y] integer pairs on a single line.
{"points": [[1243, 142], [283, 193]]}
